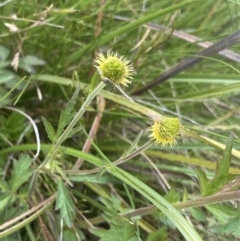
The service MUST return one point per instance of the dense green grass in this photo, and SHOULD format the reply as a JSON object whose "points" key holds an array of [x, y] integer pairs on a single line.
{"points": [[73, 192]]}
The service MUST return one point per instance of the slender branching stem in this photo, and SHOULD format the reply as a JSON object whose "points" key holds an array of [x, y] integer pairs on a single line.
{"points": [[65, 134], [77, 117]]}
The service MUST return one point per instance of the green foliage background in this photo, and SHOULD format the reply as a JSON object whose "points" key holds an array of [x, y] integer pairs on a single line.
{"points": [[46, 48]]}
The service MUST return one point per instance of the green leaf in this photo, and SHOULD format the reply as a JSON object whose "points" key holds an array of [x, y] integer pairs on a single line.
{"points": [[49, 129], [64, 120], [21, 172], [135, 238], [64, 203], [3, 185], [221, 176], [232, 227], [95, 178], [67, 114], [4, 53], [5, 99], [12, 126], [106, 209], [10, 79], [173, 196], [165, 207], [203, 181], [6, 76], [94, 82], [113, 204], [70, 235], [121, 230], [134, 144], [4, 200], [27, 63], [222, 213], [166, 221], [198, 214], [33, 60], [56, 165], [160, 234], [74, 131], [90, 108]]}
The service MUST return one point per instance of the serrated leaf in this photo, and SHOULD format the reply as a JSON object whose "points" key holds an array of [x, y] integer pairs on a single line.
{"points": [[122, 231], [49, 129], [221, 212], [173, 196], [64, 120], [21, 172], [15, 123], [74, 131], [64, 203], [221, 176], [94, 178], [113, 204], [232, 227], [67, 114]]}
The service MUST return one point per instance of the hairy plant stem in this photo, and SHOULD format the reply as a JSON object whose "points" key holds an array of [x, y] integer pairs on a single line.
{"points": [[217, 198], [202, 201], [64, 135], [112, 164], [79, 114]]}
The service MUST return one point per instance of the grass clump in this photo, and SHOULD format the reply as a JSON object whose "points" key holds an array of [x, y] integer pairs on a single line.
{"points": [[89, 168]]}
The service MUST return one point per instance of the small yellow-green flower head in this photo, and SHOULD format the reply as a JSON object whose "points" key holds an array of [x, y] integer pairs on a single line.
{"points": [[165, 131], [116, 69]]}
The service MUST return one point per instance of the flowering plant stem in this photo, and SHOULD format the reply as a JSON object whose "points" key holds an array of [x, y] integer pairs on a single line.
{"points": [[64, 135], [112, 164], [199, 202], [152, 209], [79, 114]]}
